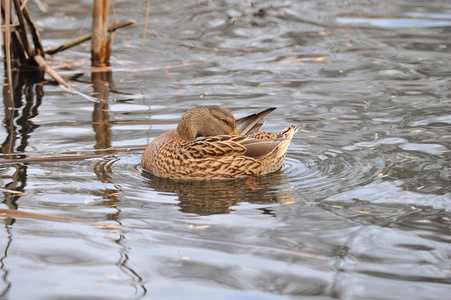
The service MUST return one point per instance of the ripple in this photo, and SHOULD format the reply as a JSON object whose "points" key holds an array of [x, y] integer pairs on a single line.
{"points": [[392, 23], [313, 172], [320, 172], [390, 193], [433, 149]]}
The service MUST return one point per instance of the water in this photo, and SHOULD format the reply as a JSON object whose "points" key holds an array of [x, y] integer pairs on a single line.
{"points": [[360, 209]]}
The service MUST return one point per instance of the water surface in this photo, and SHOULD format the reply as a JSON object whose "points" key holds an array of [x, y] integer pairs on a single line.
{"points": [[360, 209]]}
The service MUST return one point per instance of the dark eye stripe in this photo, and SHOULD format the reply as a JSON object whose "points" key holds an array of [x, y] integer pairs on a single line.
{"points": [[227, 122]]}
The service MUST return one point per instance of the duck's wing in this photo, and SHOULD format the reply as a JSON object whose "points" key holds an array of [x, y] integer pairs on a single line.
{"points": [[216, 147], [259, 148], [231, 145], [252, 123]]}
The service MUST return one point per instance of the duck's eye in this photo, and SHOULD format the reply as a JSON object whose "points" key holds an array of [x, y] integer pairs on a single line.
{"points": [[225, 121]]}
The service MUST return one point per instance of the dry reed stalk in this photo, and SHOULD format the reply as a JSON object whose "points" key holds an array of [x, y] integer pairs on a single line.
{"points": [[23, 30], [62, 83], [34, 30], [100, 12], [145, 23], [20, 46], [43, 65], [8, 50]]}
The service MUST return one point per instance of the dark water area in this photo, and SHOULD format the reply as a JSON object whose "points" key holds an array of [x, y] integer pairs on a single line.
{"points": [[361, 208]]}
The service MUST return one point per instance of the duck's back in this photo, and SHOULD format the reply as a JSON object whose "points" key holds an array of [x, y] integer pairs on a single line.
{"points": [[167, 157]]}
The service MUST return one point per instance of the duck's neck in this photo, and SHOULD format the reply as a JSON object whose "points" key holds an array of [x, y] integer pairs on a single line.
{"points": [[185, 130], [185, 134]]}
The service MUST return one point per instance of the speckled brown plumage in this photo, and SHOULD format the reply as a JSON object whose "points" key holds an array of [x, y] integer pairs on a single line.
{"points": [[204, 147]]}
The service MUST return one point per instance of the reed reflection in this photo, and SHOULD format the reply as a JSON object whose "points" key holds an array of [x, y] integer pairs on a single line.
{"points": [[102, 81], [6, 284], [111, 198], [18, 123], [103, 173]]}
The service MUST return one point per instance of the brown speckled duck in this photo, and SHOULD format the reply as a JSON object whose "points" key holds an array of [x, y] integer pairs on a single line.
{"points": [[209, 144]]}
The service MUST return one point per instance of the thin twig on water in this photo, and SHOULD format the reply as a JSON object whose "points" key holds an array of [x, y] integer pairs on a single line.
{"points": [[61, 158], [145, 23], [86, 37], [120, 150]]}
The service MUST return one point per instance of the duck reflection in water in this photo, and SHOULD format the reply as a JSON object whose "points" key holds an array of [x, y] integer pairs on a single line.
{"points": [[218, 196]]}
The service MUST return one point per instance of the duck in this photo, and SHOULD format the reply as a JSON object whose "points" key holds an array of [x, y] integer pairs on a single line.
{"points": [[209, 143]]}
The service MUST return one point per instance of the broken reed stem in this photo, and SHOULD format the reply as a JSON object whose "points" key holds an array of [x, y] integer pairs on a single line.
{"points": [[86, 37], [43, 65]]}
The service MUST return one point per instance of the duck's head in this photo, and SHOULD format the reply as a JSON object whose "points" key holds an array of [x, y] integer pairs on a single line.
{"points": [[206, 121]]}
